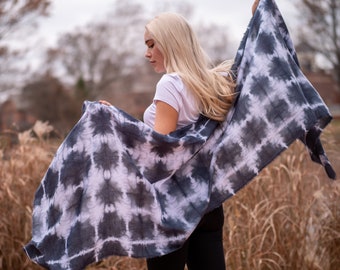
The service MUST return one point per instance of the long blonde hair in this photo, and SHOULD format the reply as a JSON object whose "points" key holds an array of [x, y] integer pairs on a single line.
{"points": [[213, 87]]}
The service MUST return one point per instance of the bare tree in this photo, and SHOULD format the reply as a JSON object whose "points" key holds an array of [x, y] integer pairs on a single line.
{"points": [[95, 56], [321, 33], [179, 6], [15, 16], [215, 41], [47, 99], [110, 52]]}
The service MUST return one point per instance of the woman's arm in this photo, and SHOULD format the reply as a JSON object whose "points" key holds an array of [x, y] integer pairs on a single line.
{"points": [[104, 102], [166, 118], [254, 7]]}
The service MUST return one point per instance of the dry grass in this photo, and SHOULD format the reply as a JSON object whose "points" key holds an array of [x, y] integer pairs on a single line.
{"points": [[287, 218], [21, 170]]}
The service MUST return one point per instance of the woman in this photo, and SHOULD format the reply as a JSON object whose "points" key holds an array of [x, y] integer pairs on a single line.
{"points": [[188, 88]]}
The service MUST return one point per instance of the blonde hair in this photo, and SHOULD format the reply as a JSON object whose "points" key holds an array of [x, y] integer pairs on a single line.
{"points": [[214, 87]]}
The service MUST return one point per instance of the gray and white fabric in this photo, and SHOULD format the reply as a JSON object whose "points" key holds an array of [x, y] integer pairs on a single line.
{"points": [[116, 187]]}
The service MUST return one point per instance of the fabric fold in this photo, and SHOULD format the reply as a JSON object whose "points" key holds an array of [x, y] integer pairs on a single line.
{"points": [[116, 187]]}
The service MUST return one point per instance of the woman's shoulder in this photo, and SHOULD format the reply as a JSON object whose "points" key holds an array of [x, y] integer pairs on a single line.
{"points": [[171, 79]]}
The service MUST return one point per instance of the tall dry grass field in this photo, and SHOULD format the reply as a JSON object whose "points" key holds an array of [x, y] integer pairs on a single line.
{"points": [[287, 218]]}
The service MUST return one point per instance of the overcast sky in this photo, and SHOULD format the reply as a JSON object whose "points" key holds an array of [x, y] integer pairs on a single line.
{"points": [[65, 15]]}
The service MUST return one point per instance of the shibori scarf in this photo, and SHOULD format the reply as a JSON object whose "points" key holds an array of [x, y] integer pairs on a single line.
{"points": [[116, 187]]}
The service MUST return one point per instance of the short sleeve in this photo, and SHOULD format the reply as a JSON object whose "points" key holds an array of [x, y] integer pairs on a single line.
{"points": [[168, 90]]}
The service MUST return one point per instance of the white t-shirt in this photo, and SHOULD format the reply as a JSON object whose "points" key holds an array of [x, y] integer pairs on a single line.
{"points": [[171, 90]]}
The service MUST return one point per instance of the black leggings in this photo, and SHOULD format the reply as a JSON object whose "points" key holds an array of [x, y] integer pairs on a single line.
{"points": [[203, 250]]}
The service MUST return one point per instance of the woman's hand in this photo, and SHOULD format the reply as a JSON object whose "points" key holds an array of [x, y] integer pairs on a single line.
{"points": [[104, 102], [254, 7]]}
